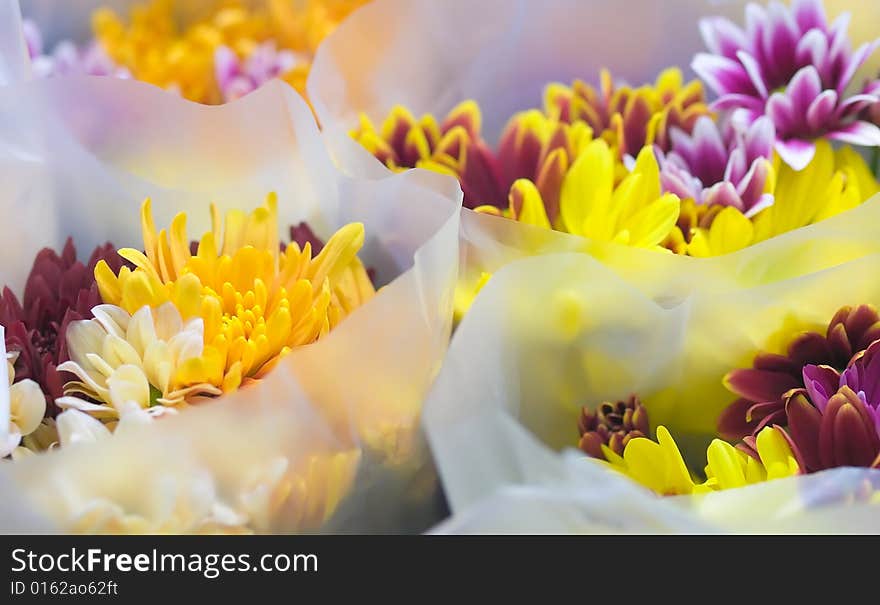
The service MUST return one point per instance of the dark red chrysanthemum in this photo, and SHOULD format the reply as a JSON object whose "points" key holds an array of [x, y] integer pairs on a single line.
{"points": [[59, 289], [764, 388], [612, 425]]}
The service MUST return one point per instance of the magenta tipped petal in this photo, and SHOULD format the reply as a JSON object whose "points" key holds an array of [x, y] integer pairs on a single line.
{"points": [[857, 133], [796, 153]]}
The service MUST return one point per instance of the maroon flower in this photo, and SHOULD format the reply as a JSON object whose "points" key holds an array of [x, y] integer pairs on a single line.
{"points": [[844, 433], [302, 234], [59, 289], [612, 425], [763, 389]]}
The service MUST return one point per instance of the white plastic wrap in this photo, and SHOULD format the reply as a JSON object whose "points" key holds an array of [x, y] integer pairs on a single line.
{"points": [[580, 321], [331, 439]]}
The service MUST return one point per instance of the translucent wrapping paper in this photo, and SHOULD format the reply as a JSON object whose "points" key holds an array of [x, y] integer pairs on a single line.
{"points": [[565, 322], [330, 440]]}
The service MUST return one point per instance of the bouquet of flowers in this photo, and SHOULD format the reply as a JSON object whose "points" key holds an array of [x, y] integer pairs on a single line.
{"points": [[659, 271], [211, 325], [654, 312]]}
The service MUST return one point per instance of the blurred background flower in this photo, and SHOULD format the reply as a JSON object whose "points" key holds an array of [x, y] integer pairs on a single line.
{"points": [[67, 58], [226, 51]]}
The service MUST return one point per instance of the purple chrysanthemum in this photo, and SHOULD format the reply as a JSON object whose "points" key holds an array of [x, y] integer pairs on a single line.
{"points": [[835, 420], [236, 78], [723, 166], [791, 65], [68, 59]]}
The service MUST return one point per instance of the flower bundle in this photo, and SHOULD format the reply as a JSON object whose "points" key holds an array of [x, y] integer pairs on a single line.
{"points": [[658, 165], [202, 350], [717, 221]]}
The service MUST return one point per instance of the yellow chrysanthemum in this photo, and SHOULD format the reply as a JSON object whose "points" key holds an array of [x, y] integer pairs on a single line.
{"points": [[256, 301], [403, 141], [633, 213], [729, 467], [659, 465]]}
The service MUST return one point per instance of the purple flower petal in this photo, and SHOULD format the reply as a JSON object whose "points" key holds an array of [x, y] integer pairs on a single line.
{"points": [[821, 382], [809, 14], [813, 50], [753, 69], [796, 153], [722, 36], [226, 66], [838, 47], [737, 101], [779, 42], [803, 88], [854, 104], [710, 152], [855, 61], [683, 145], [821, 110], [737, 166], [759, 139], [764, 202], [781, 111], [723, 75], [751, 187], [723, 194], [857, 133]]}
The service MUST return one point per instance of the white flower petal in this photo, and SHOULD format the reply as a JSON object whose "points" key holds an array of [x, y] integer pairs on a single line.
{"points": [[141, 331], [113, 319], [75, 403], [158, 365], [28, 405], [129, 384], [84, 337], [168, 321], [77, 427], [117, 352]]}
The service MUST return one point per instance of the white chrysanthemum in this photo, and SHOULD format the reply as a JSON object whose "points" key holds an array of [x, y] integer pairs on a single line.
{"points": [[122, 359]]}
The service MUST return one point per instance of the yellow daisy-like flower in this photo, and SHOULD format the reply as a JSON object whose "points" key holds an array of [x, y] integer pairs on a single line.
{"points": [[730, 467], [256, 301], [632, 213], [660, 466], [147, 360]]}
